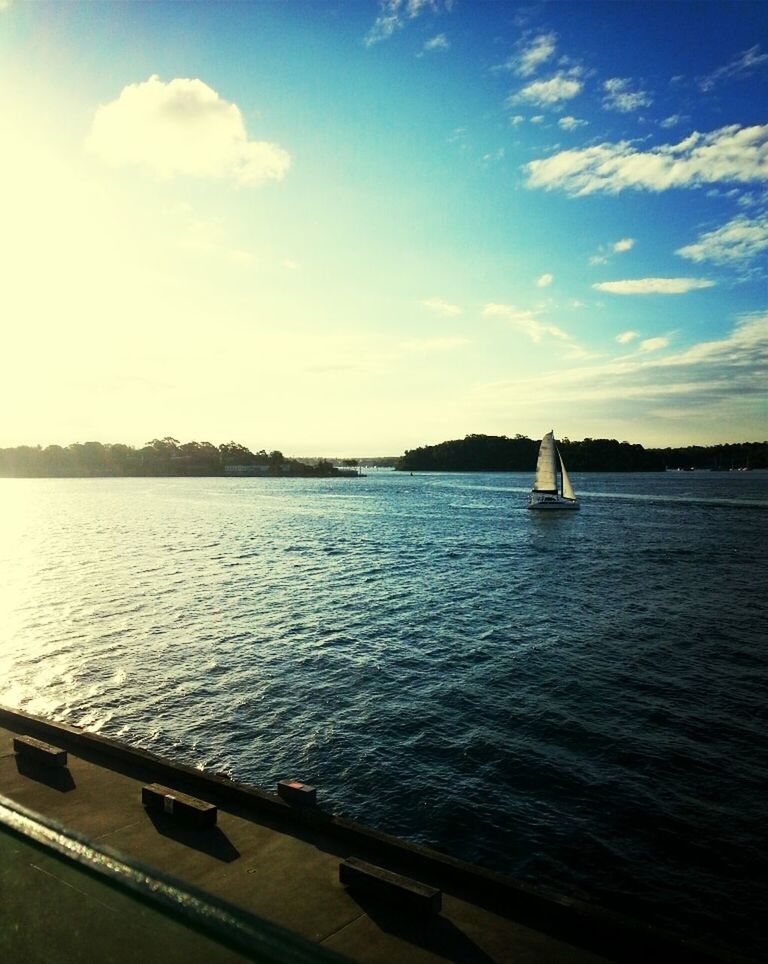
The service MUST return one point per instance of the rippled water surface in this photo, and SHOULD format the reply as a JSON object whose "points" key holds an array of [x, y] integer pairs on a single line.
{"points": [[575, 699]]}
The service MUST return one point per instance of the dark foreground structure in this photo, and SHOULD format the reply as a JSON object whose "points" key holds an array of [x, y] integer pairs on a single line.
{"points": [[113, 854]]}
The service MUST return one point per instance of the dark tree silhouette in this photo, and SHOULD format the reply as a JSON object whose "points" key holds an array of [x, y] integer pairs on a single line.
{"points": [[498, 453]]}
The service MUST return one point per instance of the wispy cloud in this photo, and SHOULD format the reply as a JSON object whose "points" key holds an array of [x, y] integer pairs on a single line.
{"points": [[731, 153], [394, 14], [653, 286], [493, 156], [654, 344], [458, 136], [391, 18], [743, 64], [525, 320], [438, 42], [751, 199], [672, 121], [624, 337], [731, 368], [441, 307], [182, 127], [740, 240], [605, 251], [571, 123], [561, 87], [619, 96], [545, 280], [530, 53]]}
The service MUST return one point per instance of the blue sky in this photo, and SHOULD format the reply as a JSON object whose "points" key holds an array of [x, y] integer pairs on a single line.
{"points": [[353, 228]]}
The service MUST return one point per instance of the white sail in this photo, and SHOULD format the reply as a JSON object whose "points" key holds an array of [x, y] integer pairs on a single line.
{"points": [[546, 467], [546, 494], [568, 492]]}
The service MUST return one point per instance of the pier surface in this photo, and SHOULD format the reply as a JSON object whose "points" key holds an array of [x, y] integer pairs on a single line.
{"points": [[282, 863]]}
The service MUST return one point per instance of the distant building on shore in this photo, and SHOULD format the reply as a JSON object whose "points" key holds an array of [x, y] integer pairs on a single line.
{"points": [[246, 470]]}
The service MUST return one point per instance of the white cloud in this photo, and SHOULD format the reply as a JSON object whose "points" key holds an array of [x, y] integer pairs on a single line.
{"points": [[182, 127], [624, 337], [544, 281], [547, 92], [389, 20], [672, 121], [516, 119], [741, 239], [290, 264], [531, 54], [537, 52], [653, 286], [394, 14], [525, 320], [604, 250], [571, 123], [492, 156], [439, 42], [537, 119], [619, 96], [729, 154], [441, 307], [748, 199], [744, 63], [654, 344], [711, 375]]}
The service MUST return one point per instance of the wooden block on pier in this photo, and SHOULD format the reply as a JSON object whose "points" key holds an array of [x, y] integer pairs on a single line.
{"points": [[179, 805], [32, 749], [292, 791], [394, 888]]}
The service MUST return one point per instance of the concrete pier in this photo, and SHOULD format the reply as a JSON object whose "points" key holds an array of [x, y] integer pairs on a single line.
{"points": [[282, 863]]}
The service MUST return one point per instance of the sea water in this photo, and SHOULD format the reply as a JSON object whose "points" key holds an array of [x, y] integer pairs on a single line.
{"points": [[575, 699]]}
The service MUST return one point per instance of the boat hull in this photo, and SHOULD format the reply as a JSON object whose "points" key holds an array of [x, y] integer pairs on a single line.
{"points": [[552, 503]]}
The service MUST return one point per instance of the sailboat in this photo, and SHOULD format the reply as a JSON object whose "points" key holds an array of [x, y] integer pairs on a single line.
{"points": [[545, 493]]}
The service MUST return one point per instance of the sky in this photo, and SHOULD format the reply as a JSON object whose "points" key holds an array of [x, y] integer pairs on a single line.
{"points": [[353, 228]]}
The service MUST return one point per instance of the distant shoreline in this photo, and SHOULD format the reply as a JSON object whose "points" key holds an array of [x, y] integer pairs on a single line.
{"points": [[341, 474], [499, 453], [162, 458], [348, 474], [169, 458]]}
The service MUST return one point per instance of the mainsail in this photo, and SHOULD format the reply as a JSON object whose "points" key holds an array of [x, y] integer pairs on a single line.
{"points": [[568, 492], [546, 467]]}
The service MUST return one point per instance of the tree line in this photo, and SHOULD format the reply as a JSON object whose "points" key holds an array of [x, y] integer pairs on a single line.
{"points": [[499, 453], [166, 456]]}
